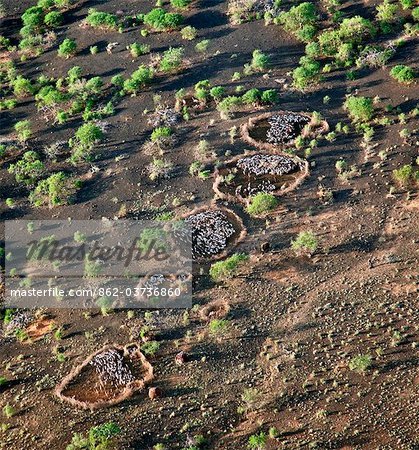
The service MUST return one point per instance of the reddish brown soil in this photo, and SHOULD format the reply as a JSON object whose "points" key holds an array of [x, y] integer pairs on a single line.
{"points": [[295, 322]]}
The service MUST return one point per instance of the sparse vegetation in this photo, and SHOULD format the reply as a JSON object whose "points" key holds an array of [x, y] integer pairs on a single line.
{"points": [[222, 270], [305, 242]]}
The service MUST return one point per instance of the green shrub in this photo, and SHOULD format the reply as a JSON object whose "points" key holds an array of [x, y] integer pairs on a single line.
{"points": [[74, 74], [49, 96], [85, 139], [405, 175], [415, 14], [306, 242], [117, 80], [313, 50], [22, 87], [8, 104], [29, 169], [139, 79], [56, 190], [217, 93], [172, 59], [202, 47], [189, 33], [23, 130], [150, 348], [218, 327], [270, 96], [4, 42], [226, 269], [45, 4], [160, 133], [356, 29], [33, 17], [67, 48], [403, 74], [102, 20], [300, 20], [228, 105], [137, 50], [252, 96], [307, 74], [180, 4], [261, 203], [53, 19], [99, 438], [260, 61], [64, 4], [360, 109], [160, 168], [159, 19], [406, 4], [360, 363], [258, 441], [351, 31], [387, 12]]}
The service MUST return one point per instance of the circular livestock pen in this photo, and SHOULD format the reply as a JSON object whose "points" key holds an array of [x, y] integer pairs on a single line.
{"points": [[106, 377], [246, 175], [278, 131], [214, 231]]}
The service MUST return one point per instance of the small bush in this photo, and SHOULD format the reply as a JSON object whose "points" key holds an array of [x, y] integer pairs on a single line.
{"points": [[387, 12], [74, 74], [172, 59], [139, 79], [67, 48], [29, 169], [53, 19], [307, 74], [85, 139], [305, 242], [360, 363], [405, 175], [160, 168], [22, 87], [99, 437], [56, 190], [23, 130], [150, 348], [49, 96], [160, 20], [102, 20], [252, 96], [228, 105], [258, 441], [218, 327], [33, 17], [226, 269], [189, 33], [160, 133], [260, 61], [137, 50], [403, 74], [217, 93], [407, 4], [202, 47], [300, 20], [180, 4], [360, 109], [270, 96], [261, 203]]}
